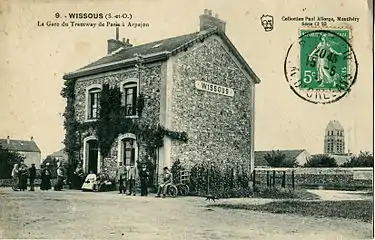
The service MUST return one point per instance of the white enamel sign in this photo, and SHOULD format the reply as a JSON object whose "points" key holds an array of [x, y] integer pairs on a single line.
{"points": [[209, 87]]}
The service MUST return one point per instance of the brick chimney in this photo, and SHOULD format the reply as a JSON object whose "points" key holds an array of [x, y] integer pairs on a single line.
{"points": [[208, 21], [115, 44], [8, 140], [126, 42]]}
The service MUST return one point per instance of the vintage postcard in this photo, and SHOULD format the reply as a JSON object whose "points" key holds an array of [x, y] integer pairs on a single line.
{"points": [[172, 119]]}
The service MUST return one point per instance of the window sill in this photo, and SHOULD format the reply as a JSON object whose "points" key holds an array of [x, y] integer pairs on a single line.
{"points": [[132, 117], [91, 120]]}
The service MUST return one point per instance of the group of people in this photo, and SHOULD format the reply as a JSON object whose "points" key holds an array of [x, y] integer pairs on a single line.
{"points": [[126, 180], [21, 173], [96, 183], [126, 177]]}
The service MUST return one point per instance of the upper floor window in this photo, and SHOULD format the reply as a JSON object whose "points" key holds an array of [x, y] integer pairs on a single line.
{"points": [[130, 94], [93, 101]]}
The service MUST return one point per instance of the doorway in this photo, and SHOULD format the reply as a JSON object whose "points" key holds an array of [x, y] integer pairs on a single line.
{"points": [[93, 156]]}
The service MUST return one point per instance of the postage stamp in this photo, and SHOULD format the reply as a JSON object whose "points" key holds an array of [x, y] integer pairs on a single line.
{"points": [[321, 67]]}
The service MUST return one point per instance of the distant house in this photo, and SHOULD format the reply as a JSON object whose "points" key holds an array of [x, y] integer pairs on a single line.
{"points": [[28, 148], [60, 155], [300, 154]]}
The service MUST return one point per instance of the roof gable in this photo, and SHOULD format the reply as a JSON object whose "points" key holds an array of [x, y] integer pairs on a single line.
{"points": [[259, 159], [334, 125], [60, 152], [19, 145], [156, 51]]}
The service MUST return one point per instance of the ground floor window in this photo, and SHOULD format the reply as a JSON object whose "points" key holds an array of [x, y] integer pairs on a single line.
{"points": [[128, 152]]}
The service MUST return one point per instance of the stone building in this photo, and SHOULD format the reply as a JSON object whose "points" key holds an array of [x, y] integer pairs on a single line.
{"points": [[196, 83], [60, 155], [27, 148], [334, 139]]}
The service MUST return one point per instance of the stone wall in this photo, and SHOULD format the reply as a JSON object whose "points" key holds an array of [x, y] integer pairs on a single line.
{"points": [[318, 177], [9, 182], [149, 88], [218, 126]]}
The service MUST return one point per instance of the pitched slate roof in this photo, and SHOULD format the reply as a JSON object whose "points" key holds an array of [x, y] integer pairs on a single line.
{"points": [[19, 145], [168, 45], [156, 51], [334, 125], [259, 159]]}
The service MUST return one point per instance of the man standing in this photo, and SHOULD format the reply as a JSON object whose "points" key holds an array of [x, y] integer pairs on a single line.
{"points": [[32, 174], [144, 177], [131, 179], [120, 174], [167, 179]]}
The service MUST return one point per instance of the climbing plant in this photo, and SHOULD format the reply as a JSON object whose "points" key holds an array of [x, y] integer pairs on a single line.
{"points": [[70, 124], [109, 118], [111, 123]]}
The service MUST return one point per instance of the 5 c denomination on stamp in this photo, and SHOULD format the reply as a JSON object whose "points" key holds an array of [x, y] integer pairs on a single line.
{"points": [[321, 67]]}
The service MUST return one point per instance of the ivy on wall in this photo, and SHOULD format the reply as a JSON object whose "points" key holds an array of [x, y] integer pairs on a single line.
{"points": [[71, 126], [111, 123]]}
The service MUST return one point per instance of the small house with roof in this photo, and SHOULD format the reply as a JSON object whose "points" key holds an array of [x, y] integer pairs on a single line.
{"points": [[197, 83], [60, 155], [27, 148], [300, 155]]}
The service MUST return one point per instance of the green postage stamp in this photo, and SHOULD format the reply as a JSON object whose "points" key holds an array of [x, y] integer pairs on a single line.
{"points": [[321, 66]]}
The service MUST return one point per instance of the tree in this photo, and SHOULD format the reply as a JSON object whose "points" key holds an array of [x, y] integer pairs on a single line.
{"points": [[364, 159], [321, 160], [278, 159], [7, 161]]}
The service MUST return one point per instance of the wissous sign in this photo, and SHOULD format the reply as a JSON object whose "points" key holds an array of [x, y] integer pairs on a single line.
{"points": [[210, 87]]}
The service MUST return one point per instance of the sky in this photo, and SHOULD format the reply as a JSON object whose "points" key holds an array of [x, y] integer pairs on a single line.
{"points": [[34, 59]]}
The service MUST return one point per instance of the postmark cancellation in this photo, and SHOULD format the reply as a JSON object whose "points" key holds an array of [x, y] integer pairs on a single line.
{"points": [[321, 66]]}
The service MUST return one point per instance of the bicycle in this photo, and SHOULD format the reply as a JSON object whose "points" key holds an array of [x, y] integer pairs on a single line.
{"points": [[183, 186], [172, 190]]}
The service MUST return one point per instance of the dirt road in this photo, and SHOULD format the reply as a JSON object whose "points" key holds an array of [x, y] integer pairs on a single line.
{"points": [[74, 214]]}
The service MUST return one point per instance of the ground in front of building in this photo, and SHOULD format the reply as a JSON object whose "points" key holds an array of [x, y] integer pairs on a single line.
{"points": [[74, 214]]}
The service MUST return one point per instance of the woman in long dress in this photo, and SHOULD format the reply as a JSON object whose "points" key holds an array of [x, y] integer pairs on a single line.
{"points": [[78, 177], [46, 178], [15, 176], [23, 177], [90, 183]]}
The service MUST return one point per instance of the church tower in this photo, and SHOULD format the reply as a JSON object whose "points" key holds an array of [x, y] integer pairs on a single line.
{"points": [[334, 139]]}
